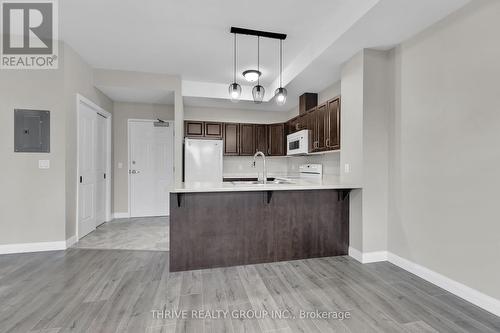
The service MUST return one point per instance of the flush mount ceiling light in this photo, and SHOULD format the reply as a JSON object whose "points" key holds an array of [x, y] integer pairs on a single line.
{"points": [[234, 88], [253, 75]]}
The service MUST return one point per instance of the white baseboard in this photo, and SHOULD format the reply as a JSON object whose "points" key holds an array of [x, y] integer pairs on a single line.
{"points": [[356, 254], [367, 257], [121, 215], [70, 241], [474, 296], [32, 247], [471, 295]]}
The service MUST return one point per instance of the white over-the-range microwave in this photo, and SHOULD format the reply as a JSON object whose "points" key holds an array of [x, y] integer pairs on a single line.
{"points": [[298, 143]]}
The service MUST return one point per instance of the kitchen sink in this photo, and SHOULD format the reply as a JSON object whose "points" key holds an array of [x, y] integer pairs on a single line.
{"points": [[275, 181], [246, 182]]}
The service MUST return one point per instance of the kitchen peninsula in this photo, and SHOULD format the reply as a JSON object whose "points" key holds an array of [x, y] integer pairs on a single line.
{"points": [[231, 223]]}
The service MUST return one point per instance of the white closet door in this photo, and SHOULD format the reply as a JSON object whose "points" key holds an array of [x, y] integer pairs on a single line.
{"points": [[87, 170], [151, 168], [101, 146]]}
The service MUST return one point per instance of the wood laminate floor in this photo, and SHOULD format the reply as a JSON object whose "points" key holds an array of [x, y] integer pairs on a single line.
{"points": [[145, 233], [82, 290]]}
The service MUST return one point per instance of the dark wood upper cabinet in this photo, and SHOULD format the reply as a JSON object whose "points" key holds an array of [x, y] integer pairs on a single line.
{"points": [[247, 139], [332, 127], [320, 135], [261, 138], [213, 130], [302, 122], [194, 128], [307, 101], [231, 139], [276, 140]]}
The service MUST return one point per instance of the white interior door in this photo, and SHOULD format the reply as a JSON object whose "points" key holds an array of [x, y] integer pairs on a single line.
{"points": [[87, 195], [151, 169], [100, 165]]}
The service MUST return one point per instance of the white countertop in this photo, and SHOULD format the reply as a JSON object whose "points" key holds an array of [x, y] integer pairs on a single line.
{"points": [[324, 183]]}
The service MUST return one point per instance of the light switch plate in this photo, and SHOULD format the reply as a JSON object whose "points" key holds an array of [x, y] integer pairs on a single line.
{"points": [[43, 164], [347, 168]]}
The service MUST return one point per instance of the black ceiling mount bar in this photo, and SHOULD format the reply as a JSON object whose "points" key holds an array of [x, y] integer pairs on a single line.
{"points": [[267, 34]]}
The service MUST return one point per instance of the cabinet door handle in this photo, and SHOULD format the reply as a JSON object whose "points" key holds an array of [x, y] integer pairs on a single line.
{"points": [[327, 142], [297, 126]]}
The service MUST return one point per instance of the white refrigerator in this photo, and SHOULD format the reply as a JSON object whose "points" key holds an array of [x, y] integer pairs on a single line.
{"points": [[203, 160]]}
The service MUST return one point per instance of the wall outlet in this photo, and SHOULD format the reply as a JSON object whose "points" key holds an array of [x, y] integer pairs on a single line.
{"points": [[347, 168], [44, 164]]}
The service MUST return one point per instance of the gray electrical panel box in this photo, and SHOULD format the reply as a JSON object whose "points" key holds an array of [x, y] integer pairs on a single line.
{"points": [[31, 131]]}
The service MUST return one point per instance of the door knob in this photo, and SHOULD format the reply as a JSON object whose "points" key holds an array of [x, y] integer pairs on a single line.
{"points": [[134, 172]]}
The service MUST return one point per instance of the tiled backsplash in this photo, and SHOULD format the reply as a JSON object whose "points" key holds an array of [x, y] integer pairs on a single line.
{"points": [[242, 165], [330, 162]]}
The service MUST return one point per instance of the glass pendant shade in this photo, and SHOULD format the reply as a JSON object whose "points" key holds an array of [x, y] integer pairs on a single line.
{"points": [[280, 96], [234, 92], [258, 93]]}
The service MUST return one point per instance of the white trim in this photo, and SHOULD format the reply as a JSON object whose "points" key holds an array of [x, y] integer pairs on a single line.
{"points": [[471, 295], [474, 296], [121, 215], [32, 247], [367, 257], [374, 256], [82, 99], [356, 254], [71, 241]]}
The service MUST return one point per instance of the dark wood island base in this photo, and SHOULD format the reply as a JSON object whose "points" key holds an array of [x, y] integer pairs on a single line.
{"points": [[220, 229]]}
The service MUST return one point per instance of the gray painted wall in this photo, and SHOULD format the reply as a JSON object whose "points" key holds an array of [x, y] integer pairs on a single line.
{"points": [[123, 112], [377, 107], [39, 205], [78, 79], [445, 149], [351, 138]]}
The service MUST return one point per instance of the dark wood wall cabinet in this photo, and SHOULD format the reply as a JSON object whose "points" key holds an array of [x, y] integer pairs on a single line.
{"points": [[324, 123], [237, 228], [276, 140], [307, 101], [241, 139], [194, 129], [231, 139], [246, 139], [213, 130]]}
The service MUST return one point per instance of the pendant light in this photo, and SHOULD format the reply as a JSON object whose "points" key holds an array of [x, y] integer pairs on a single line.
{"points": [[234, 88], [280, 93], [258, 91]]}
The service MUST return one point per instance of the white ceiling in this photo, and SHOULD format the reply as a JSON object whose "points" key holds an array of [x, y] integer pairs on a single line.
{"points": [[191, 39]]}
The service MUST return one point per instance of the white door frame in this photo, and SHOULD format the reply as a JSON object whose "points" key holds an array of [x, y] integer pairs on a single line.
{"points": [[80, 99], [171, 123]]}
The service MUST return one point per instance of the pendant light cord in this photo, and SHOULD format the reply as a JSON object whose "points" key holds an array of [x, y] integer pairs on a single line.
{"points": [[234, 60], [258, 60], [281, 63]]}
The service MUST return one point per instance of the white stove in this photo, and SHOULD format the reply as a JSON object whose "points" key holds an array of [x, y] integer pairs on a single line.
{"points": [[311, 171]]}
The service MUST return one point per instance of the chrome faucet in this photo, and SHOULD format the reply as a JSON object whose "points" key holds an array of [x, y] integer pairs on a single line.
{"points": [[264, 171]]}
